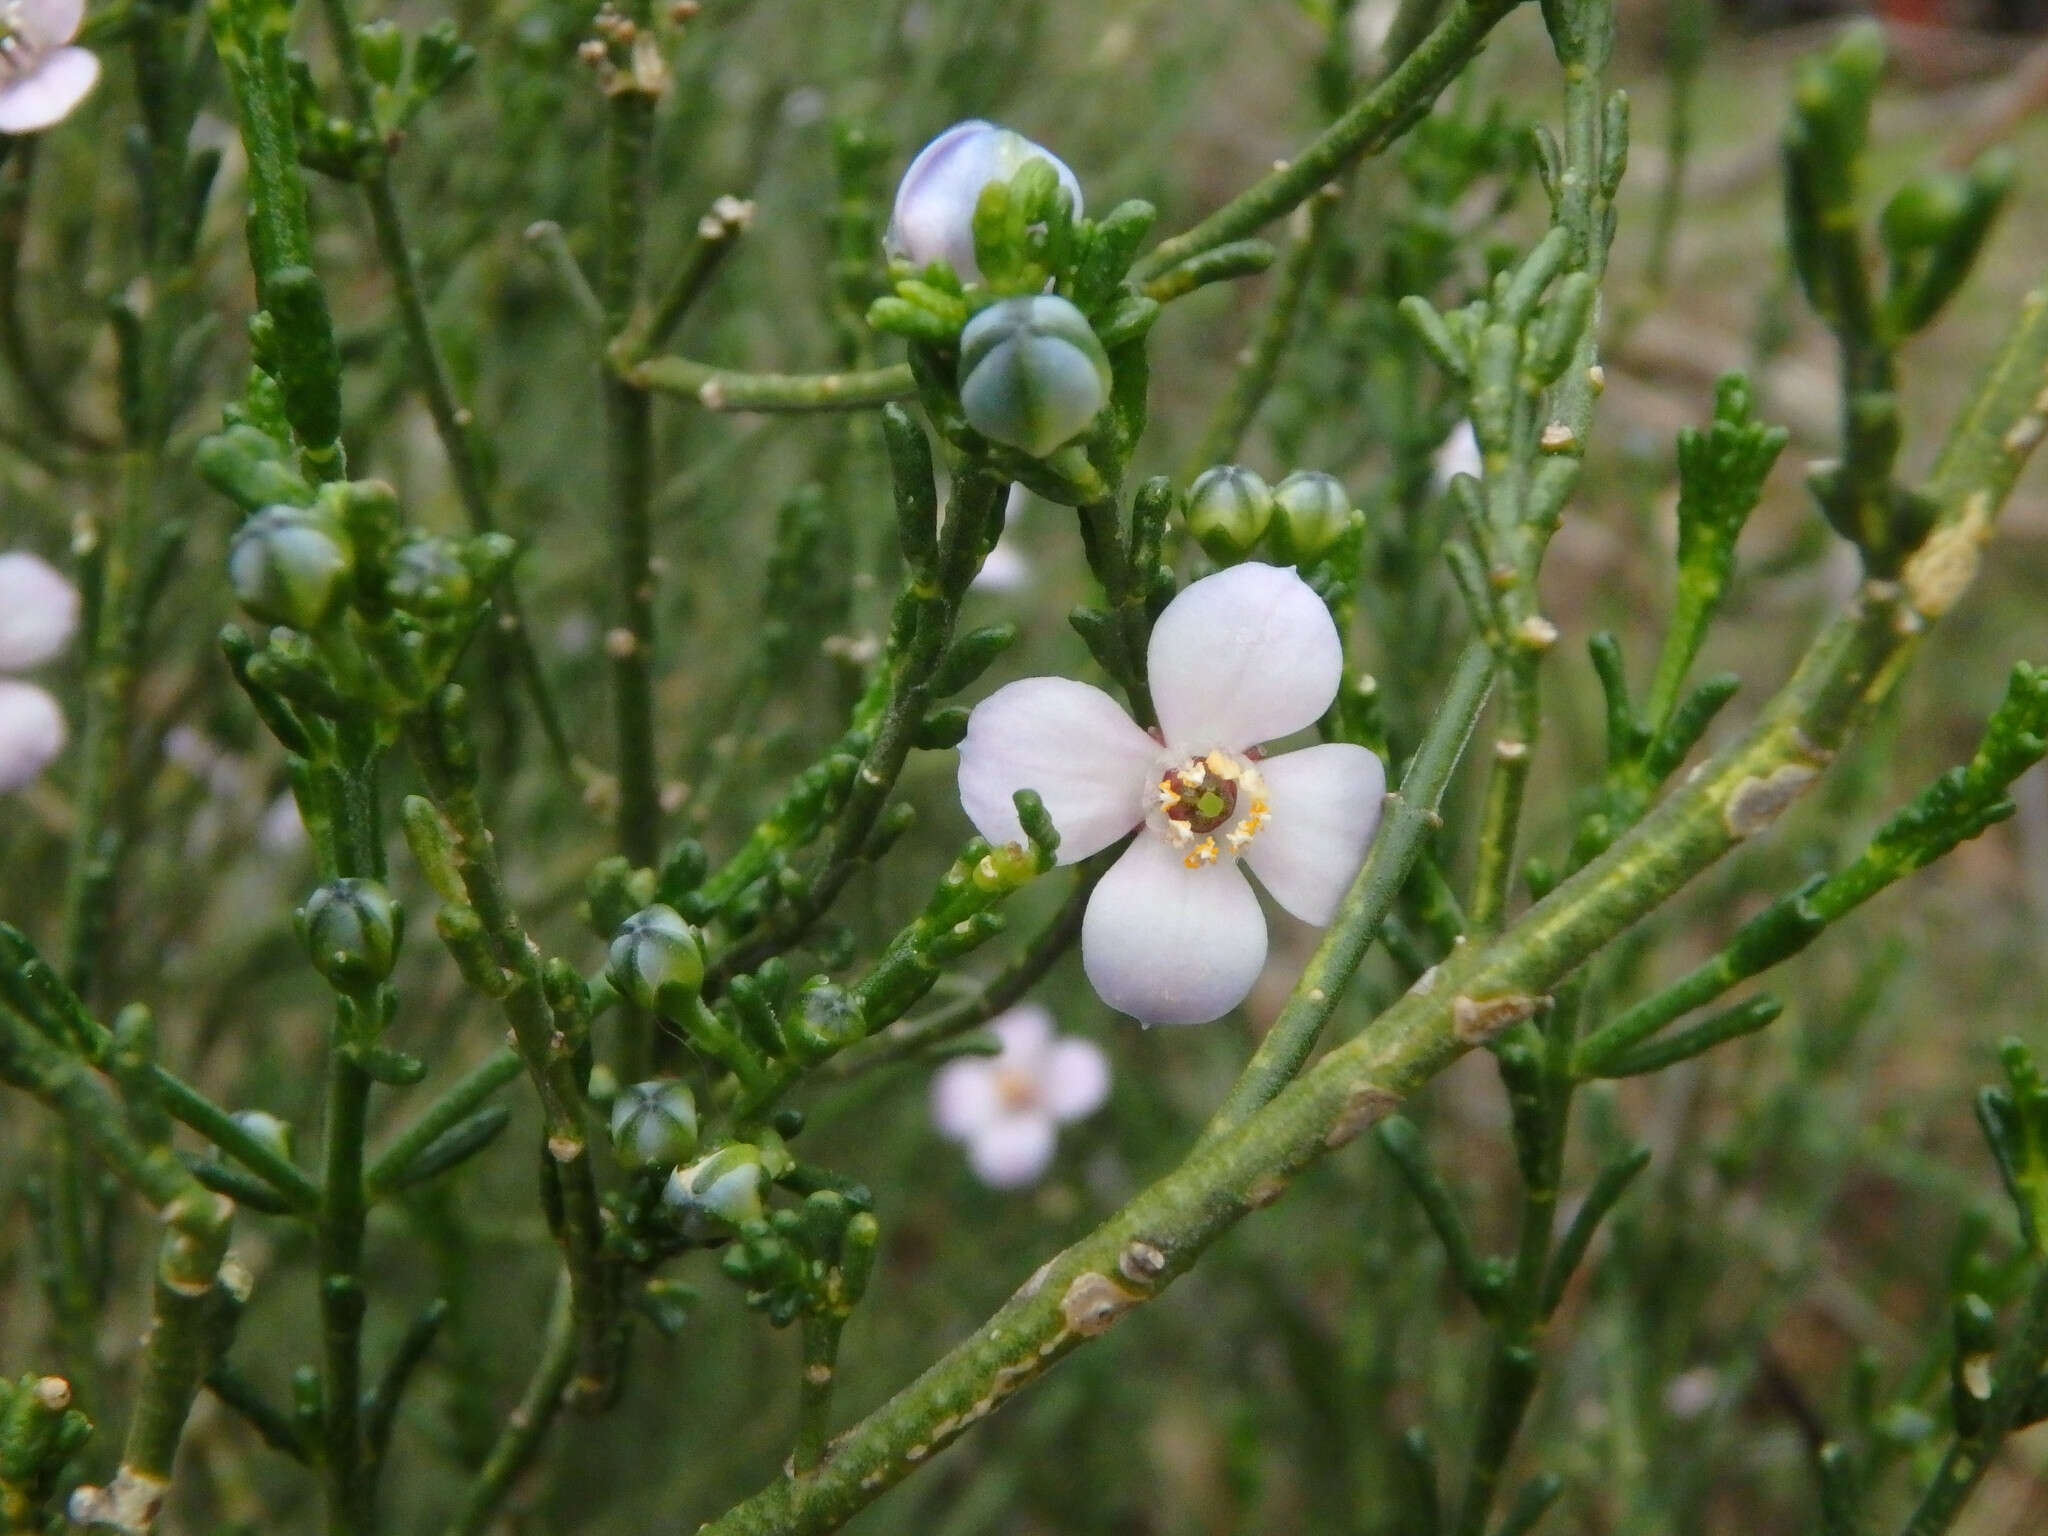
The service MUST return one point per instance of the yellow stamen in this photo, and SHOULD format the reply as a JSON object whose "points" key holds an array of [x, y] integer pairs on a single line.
{"points": [[1204, 852]]}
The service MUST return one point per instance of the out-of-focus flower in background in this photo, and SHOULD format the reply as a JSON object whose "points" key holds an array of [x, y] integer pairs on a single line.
{"points": [[42, 78], [1458, 455], [1007, 1109], [38, 616]]}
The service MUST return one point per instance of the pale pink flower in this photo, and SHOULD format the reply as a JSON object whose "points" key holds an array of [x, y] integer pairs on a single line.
{"points": [[41, 78], [38, 616], [1007, 1109], [1173, 933], [38, 611], [31, 733]]}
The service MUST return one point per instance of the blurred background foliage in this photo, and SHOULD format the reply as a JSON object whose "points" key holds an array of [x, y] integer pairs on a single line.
{"points": [[1810, 1186]]}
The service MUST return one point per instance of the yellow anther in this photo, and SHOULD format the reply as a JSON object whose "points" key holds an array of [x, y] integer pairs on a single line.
{"points": [[1203, 852]]}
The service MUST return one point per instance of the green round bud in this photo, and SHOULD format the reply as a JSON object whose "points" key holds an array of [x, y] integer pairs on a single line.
{"points": [[1228, 508], [1032, 373], [655, 1123], [828, 1019], [1923, 211], [602, 1086], [352, 930], [1316, 509], [721, 1189], [266, 1128], [655, 954], [429, 577], [290, 565]]}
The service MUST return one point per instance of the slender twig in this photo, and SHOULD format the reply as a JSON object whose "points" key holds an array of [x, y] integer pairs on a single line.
{"points": [[528, 1423], [730, 389], [463, 1096], [1410, 815], [454, 423]]}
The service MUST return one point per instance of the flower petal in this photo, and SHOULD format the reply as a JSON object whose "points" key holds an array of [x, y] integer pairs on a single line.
{"points": [[32, 733], [1073, 1078], [965, 1097], [50, 23], [1242, 657], [46, 95], [38, 611], [1326, 804], [1025, 1030], [1013, 1151], [1168, 944], [1070, 742]]}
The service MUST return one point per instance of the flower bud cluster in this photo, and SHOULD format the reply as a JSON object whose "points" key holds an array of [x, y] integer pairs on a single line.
{"points": [[1230, 510]]}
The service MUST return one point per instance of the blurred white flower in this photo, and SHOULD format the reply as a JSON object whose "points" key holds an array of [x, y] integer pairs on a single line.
{"points": [[38, 611], [281, 830], [41, 79], [1371, 23], [38, 616], [31, 733], [1007, 1109], [1173, 933], [1458, 455], [1007, 568], [934, 215]]}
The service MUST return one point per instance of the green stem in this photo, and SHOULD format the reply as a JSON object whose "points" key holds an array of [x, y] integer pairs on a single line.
{"points": [[1478, 990], [453, 422], [1411, 815], [463, 1097], [629, 459], [1253, 380], [1374, 122], [821, 1331], [730, 389], [528, 1423], [2018, 1367]]}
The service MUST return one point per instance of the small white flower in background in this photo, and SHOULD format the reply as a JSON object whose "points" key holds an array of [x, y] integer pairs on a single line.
{"points": [[1372, 23], [1173, 933], [38, 611], [41, 79], [1458, 455], [282, 830], [934, 215], [38, 616], [1007, 568], [1007, 1109]]}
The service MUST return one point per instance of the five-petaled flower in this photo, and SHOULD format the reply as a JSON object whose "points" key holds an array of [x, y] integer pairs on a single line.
{"points": [[1007, 1108], [1173, 933], [41, 76], [38, 612]]}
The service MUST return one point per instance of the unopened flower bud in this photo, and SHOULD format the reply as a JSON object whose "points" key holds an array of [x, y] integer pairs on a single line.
{"points": [[1032, 373], [1316, 509], [721, 1188], [655, 954], [352, 929], [654, 1124], [828, 1018], [934, 215], [1228, 509], [290, 565], [429, 576], [266, 1128]]}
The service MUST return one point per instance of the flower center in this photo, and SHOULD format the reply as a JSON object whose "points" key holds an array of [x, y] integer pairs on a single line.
{"points": [[1016, 1089], [1209, 805]]}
